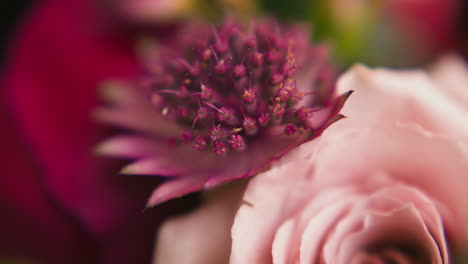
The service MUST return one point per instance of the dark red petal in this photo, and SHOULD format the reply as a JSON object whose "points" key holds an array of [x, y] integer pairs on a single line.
{"points": [[58, 58], [32, 225]]}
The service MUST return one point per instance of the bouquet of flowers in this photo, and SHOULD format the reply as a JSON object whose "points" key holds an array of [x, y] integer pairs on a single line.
{"points": [[157, 131]]}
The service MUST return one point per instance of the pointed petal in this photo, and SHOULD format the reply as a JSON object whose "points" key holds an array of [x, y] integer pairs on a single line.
{"points": [[131, 108], [173, 189], [129, 147], [161, 166], [132, 119]]}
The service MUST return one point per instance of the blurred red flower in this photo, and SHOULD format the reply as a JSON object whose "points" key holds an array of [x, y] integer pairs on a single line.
{"points": [[428, 24], [60, 203]]}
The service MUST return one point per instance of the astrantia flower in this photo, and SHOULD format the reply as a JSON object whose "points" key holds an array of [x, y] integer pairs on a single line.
{"points": [[220, 103]]}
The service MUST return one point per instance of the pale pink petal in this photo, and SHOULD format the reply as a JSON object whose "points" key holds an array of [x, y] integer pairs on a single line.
{"points": [[270, 198], [385, 96], [301, 220], [405, 153], [281, 244], [450, 73], [385, 202], [319, 226], [203, 236], [427, 208], [435, 164], [403, 226], [348, 224]]}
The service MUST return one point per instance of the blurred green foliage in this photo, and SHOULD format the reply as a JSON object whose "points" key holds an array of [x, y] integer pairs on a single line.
{"points": [[357, 31], [288, 10], [348, 31]]}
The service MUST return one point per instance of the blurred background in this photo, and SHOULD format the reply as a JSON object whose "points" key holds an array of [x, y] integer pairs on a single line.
{"points": [[384, 32], [61, 204]]}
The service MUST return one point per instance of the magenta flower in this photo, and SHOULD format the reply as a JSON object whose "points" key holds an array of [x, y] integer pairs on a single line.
{"points": [[220, 104], [58, 202]]}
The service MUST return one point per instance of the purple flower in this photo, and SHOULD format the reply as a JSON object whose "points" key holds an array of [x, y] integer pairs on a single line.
{"points": [[219, 104]]}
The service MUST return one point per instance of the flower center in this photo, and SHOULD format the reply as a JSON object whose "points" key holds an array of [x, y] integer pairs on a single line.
{"points": [[229, 86]]}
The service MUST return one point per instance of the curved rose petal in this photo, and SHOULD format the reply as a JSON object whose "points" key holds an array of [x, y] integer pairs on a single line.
{"points": [[384, 202], [400, 227], [451, 74], [402, 97], [427, 208], [317, 229], [275, 201], [284, 235], [202, 236], [290, 252], [405, 153], [278, 193]]}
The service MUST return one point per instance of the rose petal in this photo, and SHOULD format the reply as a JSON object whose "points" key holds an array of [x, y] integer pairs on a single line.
{"points": [[317, 229], [427, 209], [327, 198], [403, 226], [270, 200], [451, 74], [402, 97], [405, 153]]}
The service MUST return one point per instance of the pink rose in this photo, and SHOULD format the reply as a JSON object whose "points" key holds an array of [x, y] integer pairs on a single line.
{"points": [[388, 184]]}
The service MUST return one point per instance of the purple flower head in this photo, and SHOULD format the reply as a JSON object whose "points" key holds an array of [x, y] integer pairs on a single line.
{"points": [[221, 103]]}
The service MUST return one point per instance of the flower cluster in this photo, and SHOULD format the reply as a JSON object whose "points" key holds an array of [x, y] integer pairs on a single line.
{"points": [[228, 86], [220, 103]]}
